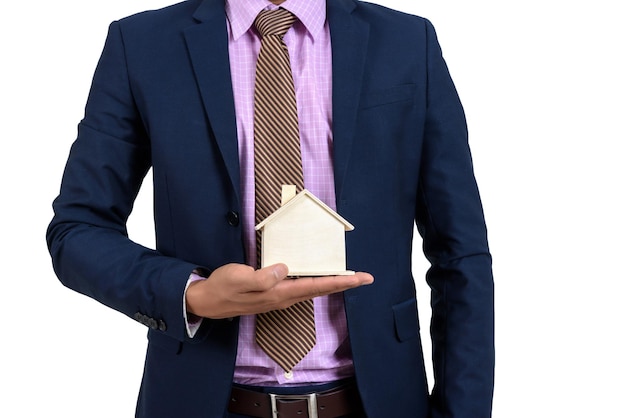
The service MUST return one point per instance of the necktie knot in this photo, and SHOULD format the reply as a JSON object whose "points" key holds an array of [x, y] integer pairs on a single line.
{"points": [[274, 22]]}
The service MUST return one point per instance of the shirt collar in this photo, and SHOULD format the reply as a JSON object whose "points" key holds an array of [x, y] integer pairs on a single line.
{"points": [[241, 14]]}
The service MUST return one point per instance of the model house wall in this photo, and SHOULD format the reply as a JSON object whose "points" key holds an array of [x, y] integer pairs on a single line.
{"points": [[306, 235]]}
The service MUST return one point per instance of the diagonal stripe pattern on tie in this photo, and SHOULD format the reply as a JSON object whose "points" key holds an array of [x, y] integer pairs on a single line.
{"points": [[286, 335]]}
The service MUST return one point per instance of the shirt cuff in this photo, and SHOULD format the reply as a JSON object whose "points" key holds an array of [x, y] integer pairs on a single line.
{"points": [[192, 322]]}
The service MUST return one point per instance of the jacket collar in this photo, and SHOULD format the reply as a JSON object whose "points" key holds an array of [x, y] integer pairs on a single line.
{"points": [[207, 42]]}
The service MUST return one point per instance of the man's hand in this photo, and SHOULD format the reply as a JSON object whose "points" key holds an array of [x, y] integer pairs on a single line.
{"points": [[237, 289]]}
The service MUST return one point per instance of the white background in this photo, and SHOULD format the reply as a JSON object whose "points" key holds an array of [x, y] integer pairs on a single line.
{"points": [[543, 87]]}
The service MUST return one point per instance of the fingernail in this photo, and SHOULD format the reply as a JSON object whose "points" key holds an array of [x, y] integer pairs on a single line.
{"points": [[280, 271]]}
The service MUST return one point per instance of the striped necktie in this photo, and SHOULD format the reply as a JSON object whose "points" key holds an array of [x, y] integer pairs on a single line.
{"points": [[286, 335]]}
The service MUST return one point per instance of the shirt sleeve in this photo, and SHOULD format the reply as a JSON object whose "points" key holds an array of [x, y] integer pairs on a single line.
{"points": [[192, 322]]}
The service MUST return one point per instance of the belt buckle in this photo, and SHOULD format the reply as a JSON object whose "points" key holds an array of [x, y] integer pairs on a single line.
{"points": [[311, 402]]}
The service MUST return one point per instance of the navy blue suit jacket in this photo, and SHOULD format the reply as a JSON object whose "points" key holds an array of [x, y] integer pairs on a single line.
{"points": [[162, 98]]}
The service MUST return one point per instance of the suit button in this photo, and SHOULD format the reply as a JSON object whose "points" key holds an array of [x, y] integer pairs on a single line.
{"points": [[152, 323], [162, 326], [233, 218]]}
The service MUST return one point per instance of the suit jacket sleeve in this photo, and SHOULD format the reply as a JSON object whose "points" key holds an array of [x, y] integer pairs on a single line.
{"points": [[450, 219], [87, 237]]}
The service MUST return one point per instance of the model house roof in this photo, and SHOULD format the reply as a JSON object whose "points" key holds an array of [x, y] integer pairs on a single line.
{"points": [[305, 194]]}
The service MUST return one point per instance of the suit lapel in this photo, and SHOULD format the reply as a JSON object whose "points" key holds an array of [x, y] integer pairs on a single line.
{"points": [[349, 37], [208, 47]]}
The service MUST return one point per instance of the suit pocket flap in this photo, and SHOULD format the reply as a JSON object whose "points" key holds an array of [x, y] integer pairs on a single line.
{"points": [[387, 96], [406, 319], [164, 342]]}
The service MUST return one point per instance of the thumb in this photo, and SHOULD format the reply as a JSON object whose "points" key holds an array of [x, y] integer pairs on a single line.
{"points": [[270, 276], [278, 271]]}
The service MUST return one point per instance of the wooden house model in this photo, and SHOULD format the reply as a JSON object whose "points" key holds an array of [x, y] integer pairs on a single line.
{"points": [[306, 235]]}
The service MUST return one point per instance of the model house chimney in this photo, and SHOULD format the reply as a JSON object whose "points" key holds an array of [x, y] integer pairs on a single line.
{"points": [[288, 193]]}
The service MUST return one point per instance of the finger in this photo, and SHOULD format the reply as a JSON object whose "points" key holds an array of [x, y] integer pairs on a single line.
{"points": [[309, 287], [333, 284], [266, 278]]}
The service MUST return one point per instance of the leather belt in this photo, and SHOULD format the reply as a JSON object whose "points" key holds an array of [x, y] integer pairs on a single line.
{"points": [[333, 403]]}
